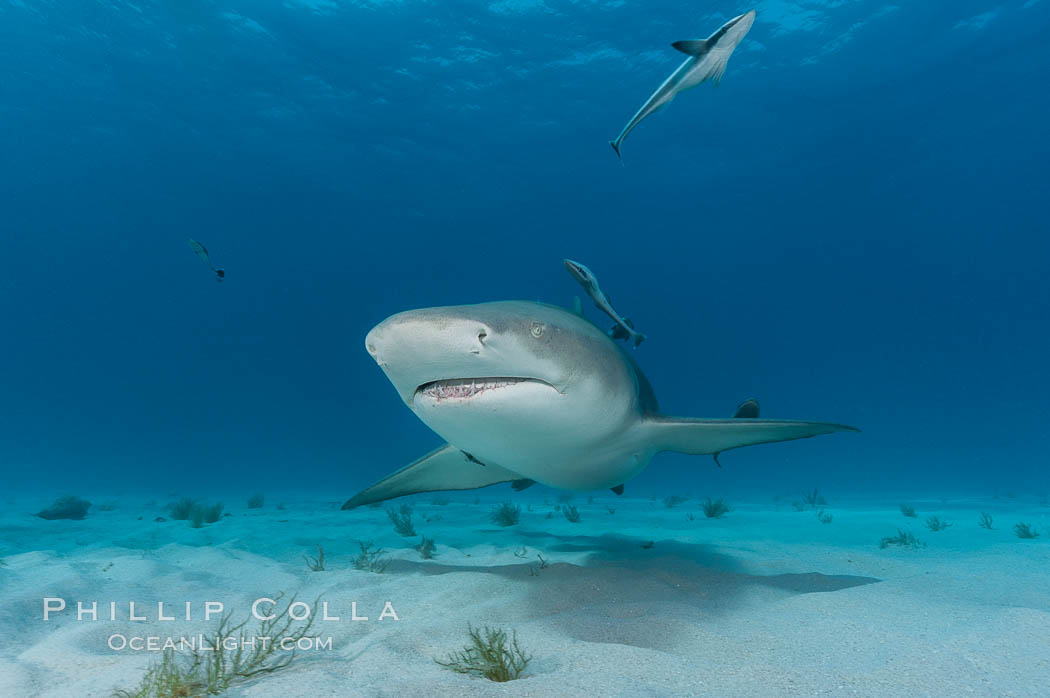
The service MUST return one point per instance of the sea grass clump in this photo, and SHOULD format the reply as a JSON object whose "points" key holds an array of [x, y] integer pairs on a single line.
{"points": [[201, 514], [489, 655], [903, 539], [909, 511], [256, 501], [813, 498], [426, 548], [715, 508], [402, 520], [371, 558], [181, 510], [505, 514], [68, 507], [167, 678], [214, 669], [316, 564], [985, 520], [571, 513], [1024, 530], [935, 523]]}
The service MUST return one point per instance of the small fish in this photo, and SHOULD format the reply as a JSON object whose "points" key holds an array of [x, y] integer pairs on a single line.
{"points": [[590, 284], [202, 252], [707, 60]]}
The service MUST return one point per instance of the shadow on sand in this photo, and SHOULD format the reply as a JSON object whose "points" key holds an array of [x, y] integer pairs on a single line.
{"points": [[653, 597]]}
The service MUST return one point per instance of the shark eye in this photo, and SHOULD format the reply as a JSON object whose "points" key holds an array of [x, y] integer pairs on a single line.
{"points": [[537, 329], [481, 336]]}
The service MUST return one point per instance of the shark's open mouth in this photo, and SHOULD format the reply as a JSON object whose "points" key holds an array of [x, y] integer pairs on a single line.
{"points": [[460, 388]]}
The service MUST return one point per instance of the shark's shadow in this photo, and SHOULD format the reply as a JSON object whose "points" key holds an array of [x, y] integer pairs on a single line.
{"points": [[625, 593]]}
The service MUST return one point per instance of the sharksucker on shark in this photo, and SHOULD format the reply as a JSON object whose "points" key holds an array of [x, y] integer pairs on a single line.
{"points": [[707, 60], [624, 328], [526, 392]]}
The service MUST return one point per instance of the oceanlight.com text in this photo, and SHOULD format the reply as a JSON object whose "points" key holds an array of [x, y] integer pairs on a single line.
{"points": [[202, 643]]}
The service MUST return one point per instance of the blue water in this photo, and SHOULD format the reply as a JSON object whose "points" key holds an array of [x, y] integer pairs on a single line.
{"points": [[852, 228]]}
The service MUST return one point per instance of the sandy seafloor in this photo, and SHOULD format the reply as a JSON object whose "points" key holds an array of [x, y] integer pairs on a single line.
{"points": [[767, 601]]}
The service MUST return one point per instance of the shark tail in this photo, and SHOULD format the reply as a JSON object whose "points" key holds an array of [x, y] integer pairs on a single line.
{"points": [[616, 146]]}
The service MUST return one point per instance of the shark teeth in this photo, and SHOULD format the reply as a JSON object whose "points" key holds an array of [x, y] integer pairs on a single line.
{"points": [[465, 387]]}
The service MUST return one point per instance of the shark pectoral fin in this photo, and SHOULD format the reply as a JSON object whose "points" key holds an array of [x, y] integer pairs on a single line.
{"points": [[693, 47], [446, 468], [523, 484], [711, 436], [713, 65]]}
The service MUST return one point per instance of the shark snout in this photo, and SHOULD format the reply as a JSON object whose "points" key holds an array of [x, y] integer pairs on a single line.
{"points": [[418, 347], [410, 337], [372, 344]]}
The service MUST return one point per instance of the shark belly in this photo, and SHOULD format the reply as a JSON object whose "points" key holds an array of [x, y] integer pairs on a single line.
{"points": [[539, 435]]}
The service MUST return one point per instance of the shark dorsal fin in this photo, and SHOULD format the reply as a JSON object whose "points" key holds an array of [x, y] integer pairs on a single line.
{"points": [[748, 409], [692, 47]]}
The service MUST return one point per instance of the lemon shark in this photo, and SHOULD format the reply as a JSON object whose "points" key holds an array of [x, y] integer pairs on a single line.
{"points": [[523, 391], [707, 60]]}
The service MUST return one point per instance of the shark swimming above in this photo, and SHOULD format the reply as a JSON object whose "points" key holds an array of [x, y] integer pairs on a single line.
{"points": [[707, 60], [523, 391]]}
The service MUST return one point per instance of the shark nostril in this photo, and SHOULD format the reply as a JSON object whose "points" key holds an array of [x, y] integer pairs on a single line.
{"points": [[371, 349]]}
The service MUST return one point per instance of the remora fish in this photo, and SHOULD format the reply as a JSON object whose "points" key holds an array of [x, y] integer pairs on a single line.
{"points": [[707, 59], [589, 282], [524, 391], [202, 252]]}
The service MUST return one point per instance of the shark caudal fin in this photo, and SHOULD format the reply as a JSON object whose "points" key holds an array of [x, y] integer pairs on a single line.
{"points": [[616, 146], [710, 436], [446, 468]]}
